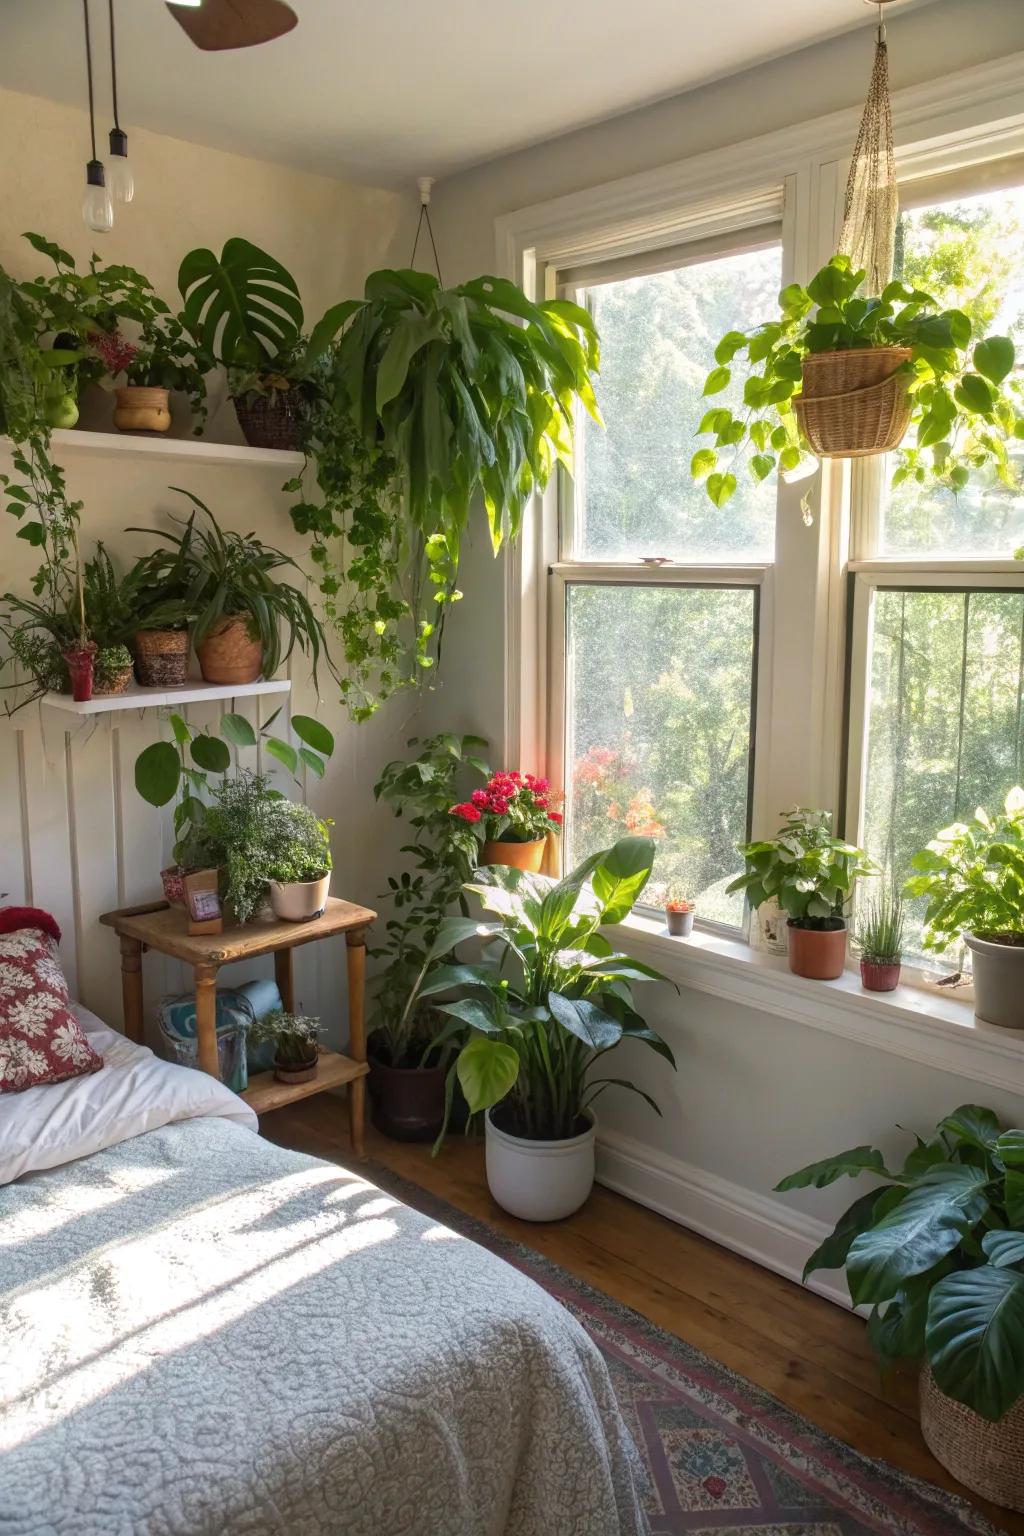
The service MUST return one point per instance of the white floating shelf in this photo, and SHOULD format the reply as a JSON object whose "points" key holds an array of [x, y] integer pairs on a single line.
{"points": [[136, 697], [164, 449]]}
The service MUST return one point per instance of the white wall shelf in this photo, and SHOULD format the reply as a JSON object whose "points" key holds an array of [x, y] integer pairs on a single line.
{"points": [[136, 697], [165, 449]]}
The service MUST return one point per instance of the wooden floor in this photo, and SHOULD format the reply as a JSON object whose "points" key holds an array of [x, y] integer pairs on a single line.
{"points": [[807, 1351]]}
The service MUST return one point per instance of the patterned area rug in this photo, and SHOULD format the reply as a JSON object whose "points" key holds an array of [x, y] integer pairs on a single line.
{"points": [[724, 1457]]}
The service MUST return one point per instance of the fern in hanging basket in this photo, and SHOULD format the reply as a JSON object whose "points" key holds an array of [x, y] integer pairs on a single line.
{"points": [[841, 375]]}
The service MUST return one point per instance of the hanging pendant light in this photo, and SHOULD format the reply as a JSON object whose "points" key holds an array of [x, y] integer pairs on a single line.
{"points": [[97, 208], [120, 180]]}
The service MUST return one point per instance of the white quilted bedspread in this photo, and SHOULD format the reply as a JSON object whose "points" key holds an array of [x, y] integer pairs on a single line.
{"points": [[202, 1333]]}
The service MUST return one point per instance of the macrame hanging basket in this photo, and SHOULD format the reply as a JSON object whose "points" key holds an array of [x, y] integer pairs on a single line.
{"points": [[855, 404]]}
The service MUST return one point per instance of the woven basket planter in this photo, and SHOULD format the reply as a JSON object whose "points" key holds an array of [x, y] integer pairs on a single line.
{"points": [[854, 404], [987, 1458], [229, 654], [271, 421], [161, 657], [112, 683]]}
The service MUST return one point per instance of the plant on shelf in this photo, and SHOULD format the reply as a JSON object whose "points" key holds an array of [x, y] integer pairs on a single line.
{"points": [[936, 1251], [296, 1041], [161, 360], [811, 874], [903, 359], [297, 861], [406, 1072], [879, 936], [542, 1017], [238, 605], [679, 913], [972, 876], [513, 815]]}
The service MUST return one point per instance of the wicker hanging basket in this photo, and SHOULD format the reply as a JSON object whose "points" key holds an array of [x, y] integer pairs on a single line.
{"points": [[987, 1458], [855, 403], [271, 421]]}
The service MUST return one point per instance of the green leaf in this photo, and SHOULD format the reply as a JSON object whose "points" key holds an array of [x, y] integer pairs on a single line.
{"points": [[314, 733], [284, 752], [181, 729], [443, 977], [975, 394], [588, 1023], [621, 875], [478, 1013], [714, 420], [703, 462], [975, 1338], [843, 1165], [453, 931], [487, 1071], [313, 761], [243, 308], [717, 380], [929, 1223], [211, 753], [995, 358], [831, 1254], [238, 730], [1004, 1248], [729, 345], [1010, 1149], [157, 771], [898, 1333], [761, 465], [720, 488], [972, 1123], [32, 533]]}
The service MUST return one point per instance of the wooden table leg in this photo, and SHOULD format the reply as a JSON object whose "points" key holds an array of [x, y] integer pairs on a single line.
{"points": [[206, 1018], [355, 955], [284, 977], [131, 987]]}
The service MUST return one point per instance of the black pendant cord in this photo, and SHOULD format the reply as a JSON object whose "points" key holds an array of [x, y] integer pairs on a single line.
{"points": [[88, 67], [425, 214], [113, 64]]}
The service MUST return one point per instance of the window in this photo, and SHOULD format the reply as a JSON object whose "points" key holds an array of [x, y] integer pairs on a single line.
{"points": [[659, 593]]}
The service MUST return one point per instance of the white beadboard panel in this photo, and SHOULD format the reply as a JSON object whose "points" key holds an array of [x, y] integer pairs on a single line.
{"points": [[15, 863], [45, 808], [93, 846]]}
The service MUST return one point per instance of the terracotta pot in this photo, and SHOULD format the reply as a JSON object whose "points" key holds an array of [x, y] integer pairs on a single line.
{"points": [[299, 901], [229, 654], [408, 1102], [817, 953], [291, 1073], [161, 657], [879, 975], [141, 408], [81, 660], [528, 856], [680, 923]]}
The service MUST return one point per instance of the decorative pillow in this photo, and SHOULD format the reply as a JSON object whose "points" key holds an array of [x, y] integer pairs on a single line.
{"points": [[41, 1041]]}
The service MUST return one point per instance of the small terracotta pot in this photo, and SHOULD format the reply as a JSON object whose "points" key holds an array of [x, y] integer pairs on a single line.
{"points": [[817, 953], [142, 408], [291, 1073], [527, 856], [680, 923], [229, 654], [879, 976], [81, 660], [161, 657], [408, 1102]]}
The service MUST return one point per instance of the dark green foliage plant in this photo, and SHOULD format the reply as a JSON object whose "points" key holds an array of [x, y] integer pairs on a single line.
{"points": [[811, 872], [937, 1252], [963, 415], [972, 875]]}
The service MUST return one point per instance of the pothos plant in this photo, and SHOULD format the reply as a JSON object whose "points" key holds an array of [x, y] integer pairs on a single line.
{"points": [[965, 402]]}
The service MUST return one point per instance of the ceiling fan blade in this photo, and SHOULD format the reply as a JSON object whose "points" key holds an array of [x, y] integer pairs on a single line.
{"points": [[217, 24]]}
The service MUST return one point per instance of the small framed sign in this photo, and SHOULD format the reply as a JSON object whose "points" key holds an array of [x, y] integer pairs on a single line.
{"points": [[202, 902]]}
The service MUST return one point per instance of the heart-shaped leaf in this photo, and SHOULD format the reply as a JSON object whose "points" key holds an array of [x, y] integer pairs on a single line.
{"points": [[157, 771], [975, 1338], [487, 1070], [929, 1223], [314, 733]]}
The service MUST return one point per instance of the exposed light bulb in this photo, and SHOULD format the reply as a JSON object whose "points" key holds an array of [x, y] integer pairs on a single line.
{"points": [[120, 181], [97, 208]]}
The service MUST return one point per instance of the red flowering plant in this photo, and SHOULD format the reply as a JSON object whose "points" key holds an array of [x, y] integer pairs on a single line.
{"points": [[512, 807]]}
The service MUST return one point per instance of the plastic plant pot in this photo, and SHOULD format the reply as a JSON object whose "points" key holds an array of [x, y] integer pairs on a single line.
{"points": [[680, 921]]}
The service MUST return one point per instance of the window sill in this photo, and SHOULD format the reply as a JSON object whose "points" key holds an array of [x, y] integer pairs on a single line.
{"points": [[911, 1022]]}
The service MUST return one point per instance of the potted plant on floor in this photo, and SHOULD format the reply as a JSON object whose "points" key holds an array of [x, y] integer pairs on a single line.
{"points": [[407, 1069], [937, 1252], [812, 874], [240, 606], [295, 1039], [842, 375], [879, 937], [513, 816], [541, 1018], [679, 914], [972, 875]]}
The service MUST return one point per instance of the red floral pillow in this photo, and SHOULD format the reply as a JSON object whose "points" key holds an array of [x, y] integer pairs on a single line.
{"points": [[41, 1041]]}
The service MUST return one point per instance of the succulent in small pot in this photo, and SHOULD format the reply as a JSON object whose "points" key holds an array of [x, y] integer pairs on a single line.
{"points": [[812, 874], [679, 914], [879, 937], [513, 815], [295, 1038], [972, 874]]}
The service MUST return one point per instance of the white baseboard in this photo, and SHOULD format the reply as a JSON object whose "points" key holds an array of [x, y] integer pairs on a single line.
{"points": [[750, 1224]]}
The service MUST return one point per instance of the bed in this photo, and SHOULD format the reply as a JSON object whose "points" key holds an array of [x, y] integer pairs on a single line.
{"points": [[204, 1333]]}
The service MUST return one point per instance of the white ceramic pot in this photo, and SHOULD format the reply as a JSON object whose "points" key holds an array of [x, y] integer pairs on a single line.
{"points": [[298, 901], [539, 1180]]}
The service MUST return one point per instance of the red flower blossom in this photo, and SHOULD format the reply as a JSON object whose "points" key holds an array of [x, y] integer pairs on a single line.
{"points": [[556, 817], [111, 347], [467, 811], [479, 797]]}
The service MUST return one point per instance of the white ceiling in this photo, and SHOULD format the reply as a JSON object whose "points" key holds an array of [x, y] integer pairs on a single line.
{"points": [[382, 90]]}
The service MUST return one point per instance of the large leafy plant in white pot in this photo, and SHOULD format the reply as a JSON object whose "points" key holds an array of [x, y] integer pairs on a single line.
{"points": [[539, 1016]]}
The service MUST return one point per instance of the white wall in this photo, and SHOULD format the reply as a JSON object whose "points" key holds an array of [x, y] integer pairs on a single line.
{"points": [[67, 800], [756, 1095]]}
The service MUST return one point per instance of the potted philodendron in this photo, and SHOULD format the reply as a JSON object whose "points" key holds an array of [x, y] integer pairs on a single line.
{"points": [[679, 914], [542, 1018], [936, 1250], [295, 1039], [972, 875], [811, 873], [240, 607], [513, 815], [879, 937], [407, 1069], [840, 374]]}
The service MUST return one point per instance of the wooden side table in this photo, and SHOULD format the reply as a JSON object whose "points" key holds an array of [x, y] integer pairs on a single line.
{"points": [[163, 928]]}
